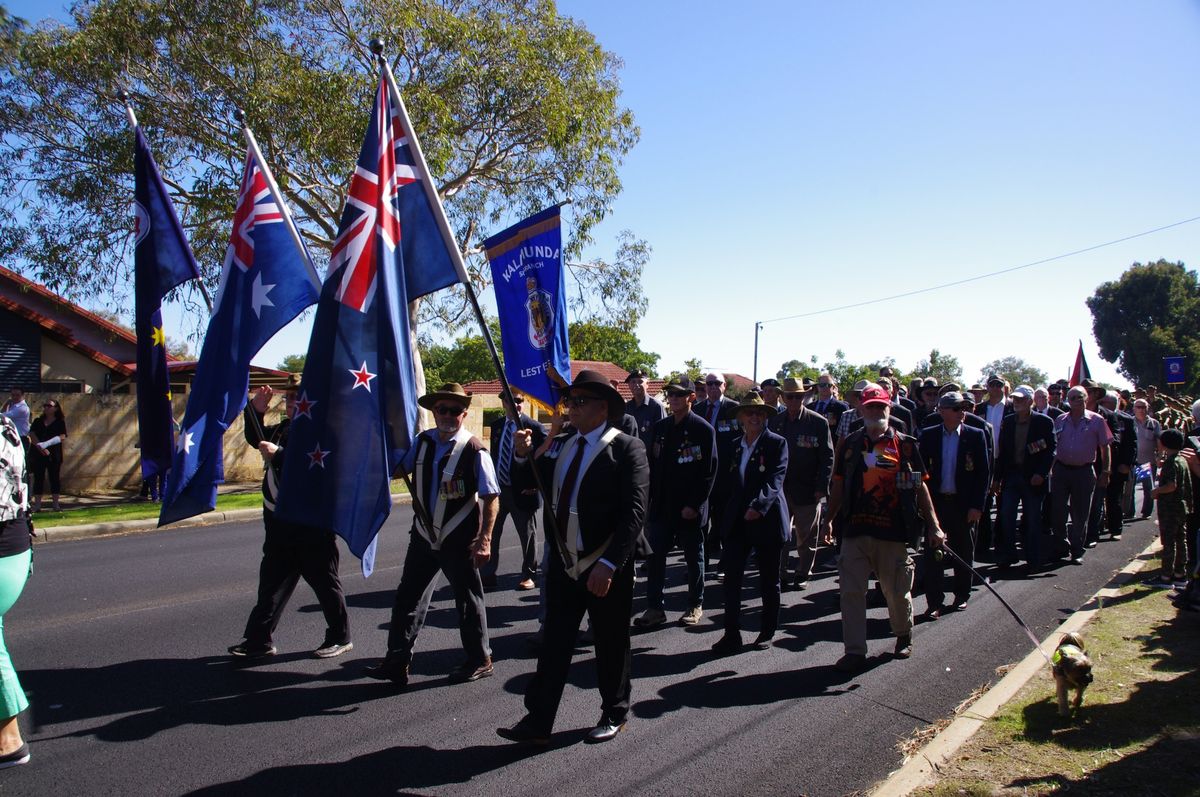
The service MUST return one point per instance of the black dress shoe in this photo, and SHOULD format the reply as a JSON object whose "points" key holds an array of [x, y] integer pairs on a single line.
{"points": [[604, 731], [931, 614], [728, 645], [851, 663], [904, 646], [389, 670], [764, 640], [471, 671], [960, 603], [525, 733]]}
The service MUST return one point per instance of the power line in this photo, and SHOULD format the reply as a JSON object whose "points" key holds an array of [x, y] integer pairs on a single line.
{"points": [[981, 276]]}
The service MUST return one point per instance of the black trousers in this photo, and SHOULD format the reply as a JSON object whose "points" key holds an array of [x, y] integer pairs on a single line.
{"points": [[566, 602], [527, 521], [1114, 513], [960, 536], [768, 550], [289, 554], [41, 467], [421, 566]]}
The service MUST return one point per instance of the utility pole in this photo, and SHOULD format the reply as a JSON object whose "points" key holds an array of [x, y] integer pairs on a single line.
{"points": [[757, 326]]}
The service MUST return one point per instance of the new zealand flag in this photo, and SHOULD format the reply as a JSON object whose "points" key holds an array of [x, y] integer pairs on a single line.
{"points": [[266, 282], [356, 415], [162, 259]]}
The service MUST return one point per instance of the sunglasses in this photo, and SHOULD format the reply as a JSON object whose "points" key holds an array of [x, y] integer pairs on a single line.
{"points": [[824, 384], [793, 396], [448, 410], [580, 401]]}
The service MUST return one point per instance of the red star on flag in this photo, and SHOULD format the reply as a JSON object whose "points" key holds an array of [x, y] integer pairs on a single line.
{"points": [[362, 377], [317, 457], [303, 406]]}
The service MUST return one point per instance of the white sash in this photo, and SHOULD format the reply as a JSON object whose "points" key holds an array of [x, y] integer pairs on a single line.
{"points": [[575, 565], [440, 526]]}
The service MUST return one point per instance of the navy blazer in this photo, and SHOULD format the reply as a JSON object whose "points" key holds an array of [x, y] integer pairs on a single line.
{"points": [[972, 472], [675, 484], [760, 490], [1039, 447]]}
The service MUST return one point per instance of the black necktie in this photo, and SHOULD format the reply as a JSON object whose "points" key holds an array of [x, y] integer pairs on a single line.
{"points": [[563, 512]]}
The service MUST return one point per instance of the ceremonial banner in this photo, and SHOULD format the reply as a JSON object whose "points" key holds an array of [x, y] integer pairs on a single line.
{"points": [[1173, 367], [356, 415], [162, 259], [266, 282], [1080, 371], [526, 261]]}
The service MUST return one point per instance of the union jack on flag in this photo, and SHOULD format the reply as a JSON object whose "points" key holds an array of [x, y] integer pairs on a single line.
{"points": [[359, 387]]}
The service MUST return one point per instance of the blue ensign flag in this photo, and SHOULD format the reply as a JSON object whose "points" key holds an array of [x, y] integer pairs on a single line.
{"points": [[266, 282], [1174, 372], [356, 415], [526, 261], [162, 259]]}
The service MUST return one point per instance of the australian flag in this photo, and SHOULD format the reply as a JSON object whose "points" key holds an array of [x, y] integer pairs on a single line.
{"points": [[162, 260], [265, 283], [356, 414]]}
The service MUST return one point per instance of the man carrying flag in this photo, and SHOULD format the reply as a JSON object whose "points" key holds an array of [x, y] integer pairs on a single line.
{"points": [[266, 282], [358, 390], [162, 260]]}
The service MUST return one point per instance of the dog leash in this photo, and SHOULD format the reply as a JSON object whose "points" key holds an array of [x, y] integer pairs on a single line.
{"points": [[1033, 638]]}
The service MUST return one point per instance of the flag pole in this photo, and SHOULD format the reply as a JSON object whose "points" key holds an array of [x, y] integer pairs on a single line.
{"points": [[133, 123], [273, 187], [439, 213]]}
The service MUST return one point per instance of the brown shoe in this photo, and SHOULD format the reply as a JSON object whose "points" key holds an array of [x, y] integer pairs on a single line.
{"points": [[526, 584], [468, 671]]}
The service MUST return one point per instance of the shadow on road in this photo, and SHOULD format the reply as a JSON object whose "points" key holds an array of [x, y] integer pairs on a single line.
{"points": [[397, 770]]}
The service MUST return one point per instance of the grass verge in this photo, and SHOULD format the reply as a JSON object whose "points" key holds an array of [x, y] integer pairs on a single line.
{"points": [[134, 511], [1138, 732]]}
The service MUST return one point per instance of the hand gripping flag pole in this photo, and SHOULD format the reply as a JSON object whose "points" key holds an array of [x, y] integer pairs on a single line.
{"points": [[377, 46]]}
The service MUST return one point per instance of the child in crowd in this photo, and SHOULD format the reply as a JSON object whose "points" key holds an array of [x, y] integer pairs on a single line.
{"points": [[1174, 494]]}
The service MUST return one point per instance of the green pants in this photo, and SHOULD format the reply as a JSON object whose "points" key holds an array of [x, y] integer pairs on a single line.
{"points": [[14, 570]]}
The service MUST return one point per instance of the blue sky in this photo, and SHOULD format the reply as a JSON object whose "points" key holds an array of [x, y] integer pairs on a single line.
{"points": [[799, 156]]}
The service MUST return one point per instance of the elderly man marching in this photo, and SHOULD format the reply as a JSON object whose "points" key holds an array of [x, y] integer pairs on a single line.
{"points": [[596, 480], [878, 487], [683, 466], [456, 497], [810, 465]]}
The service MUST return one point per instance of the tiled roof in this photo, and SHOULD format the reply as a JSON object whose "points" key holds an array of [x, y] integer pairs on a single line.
{"points": [[491, 387]]}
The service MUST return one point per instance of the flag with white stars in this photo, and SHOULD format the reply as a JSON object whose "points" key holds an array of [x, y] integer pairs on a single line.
{"points": [[356, 414], [265, 283], [162, 259]]}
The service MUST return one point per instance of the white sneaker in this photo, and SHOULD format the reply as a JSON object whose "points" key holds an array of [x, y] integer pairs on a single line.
{"points": [[692, 616], [333, 649]]}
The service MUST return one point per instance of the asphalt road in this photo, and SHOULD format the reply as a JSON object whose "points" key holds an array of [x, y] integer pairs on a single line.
{"points": [[120, 643]]}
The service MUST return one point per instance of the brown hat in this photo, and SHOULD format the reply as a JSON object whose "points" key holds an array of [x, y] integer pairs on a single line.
{"points": [[792, 385], [1091, 384], [752, 402], [594, 382], [451, 391]]}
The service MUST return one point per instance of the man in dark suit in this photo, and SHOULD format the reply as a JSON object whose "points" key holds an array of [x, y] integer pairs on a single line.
{"points": [[597, 479], [755, 516], [1045, 404], [825, 403], [683, 466], [926, 413], [1023, 464], [521, 505], [959, 469], [810, 467], [1123, 452], [719, 412]]}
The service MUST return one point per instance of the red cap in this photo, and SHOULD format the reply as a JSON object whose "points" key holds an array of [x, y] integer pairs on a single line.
{"points": [[874, 394]]}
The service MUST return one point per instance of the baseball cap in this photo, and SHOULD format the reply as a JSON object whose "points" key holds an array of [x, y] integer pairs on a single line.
{"points": [[874, 394], [1023, 391]]}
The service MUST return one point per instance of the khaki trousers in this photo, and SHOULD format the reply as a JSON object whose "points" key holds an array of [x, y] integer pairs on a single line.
{"points": [[893, 567]]}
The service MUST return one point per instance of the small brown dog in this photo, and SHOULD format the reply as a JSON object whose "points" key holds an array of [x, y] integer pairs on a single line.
{"points": [[1072, 670]]}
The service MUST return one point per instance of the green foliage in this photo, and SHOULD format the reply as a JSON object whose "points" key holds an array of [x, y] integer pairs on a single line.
{"points": [[595, 341], [1015, 370], [846, 373], [942, 367], [516, 106], [1151, 312], [293, 363], [468, 359], [691, 371]]}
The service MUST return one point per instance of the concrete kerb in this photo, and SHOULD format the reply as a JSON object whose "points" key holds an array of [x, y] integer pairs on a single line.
{"points": [[85, 530], [919, 769]]}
